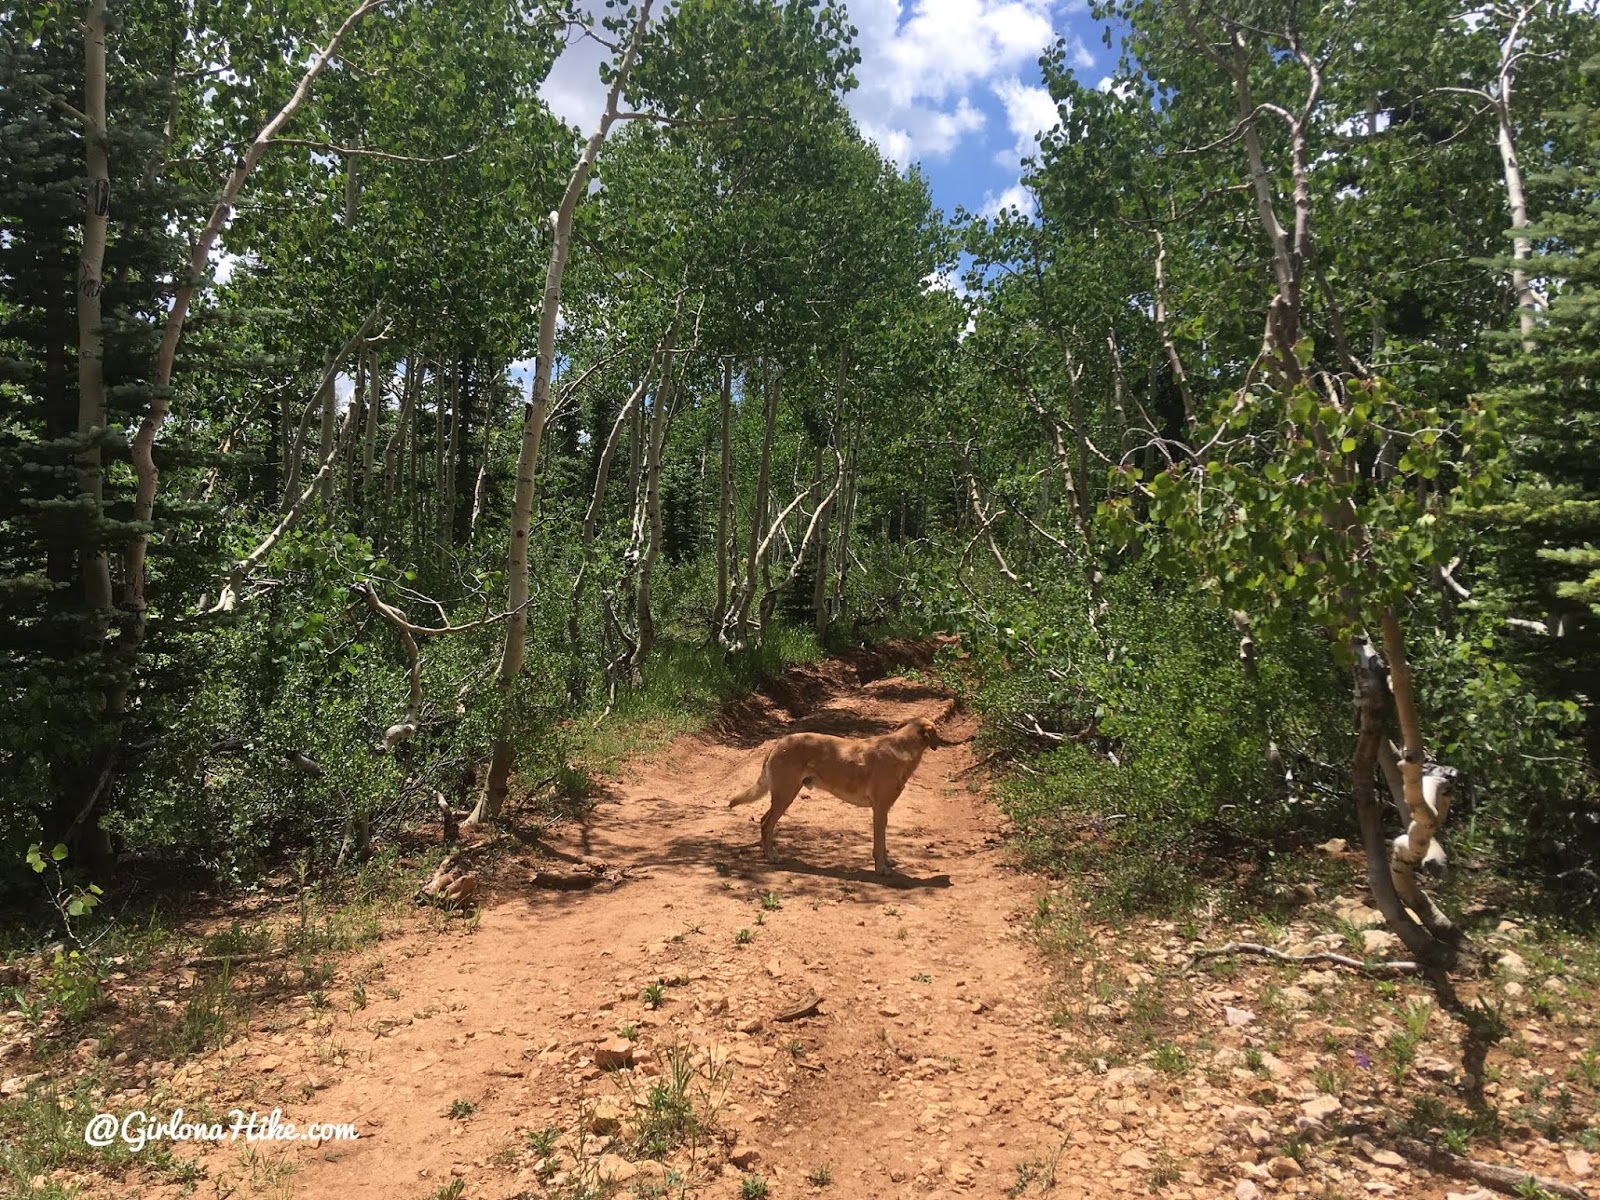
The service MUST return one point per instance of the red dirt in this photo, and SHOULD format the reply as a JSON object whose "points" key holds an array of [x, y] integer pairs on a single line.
{"points": [[914, 1074], [932, 1066]]}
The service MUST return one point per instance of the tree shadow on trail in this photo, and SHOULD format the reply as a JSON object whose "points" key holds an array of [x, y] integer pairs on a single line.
{"points": [[648, 835], [751, 727], [761, 870], [1481, 1028], [794, 701]]}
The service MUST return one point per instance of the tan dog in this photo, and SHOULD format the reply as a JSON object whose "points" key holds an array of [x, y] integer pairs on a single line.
{"points": [[868, 772]]}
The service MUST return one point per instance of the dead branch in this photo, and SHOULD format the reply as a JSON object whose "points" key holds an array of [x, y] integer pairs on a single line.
{"points": [[228, 600], [978, 764], [806, 1008], [582, 878], [1502, 1179], [1035, 730], [805, 542], [365, 152], [221, 960], [452, 826], [1321, 956], [985, 523], [407, 726]]}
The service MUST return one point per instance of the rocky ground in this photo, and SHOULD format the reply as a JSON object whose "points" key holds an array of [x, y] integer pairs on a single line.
{"points": [[697, 1022]]}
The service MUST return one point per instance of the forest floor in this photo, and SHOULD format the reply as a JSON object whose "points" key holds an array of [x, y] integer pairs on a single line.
{"points": [[975, 1033]]}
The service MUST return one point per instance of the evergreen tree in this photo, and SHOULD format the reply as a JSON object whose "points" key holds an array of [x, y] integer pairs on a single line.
{"points": [[61, 668], [1548, 568]]}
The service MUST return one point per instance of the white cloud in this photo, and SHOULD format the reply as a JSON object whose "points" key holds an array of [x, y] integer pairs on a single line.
{"points": [[1081, 58], [946, 281], [1029, 112], [1016, 196], [922, 64]]}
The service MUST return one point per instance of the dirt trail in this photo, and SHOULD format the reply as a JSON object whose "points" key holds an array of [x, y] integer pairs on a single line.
{"points": [[924, 1070], [472, 1054]]}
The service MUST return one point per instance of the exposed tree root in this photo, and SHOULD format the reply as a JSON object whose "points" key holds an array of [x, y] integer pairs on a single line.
{"points": [[1502, 1179], [1321, 956]]}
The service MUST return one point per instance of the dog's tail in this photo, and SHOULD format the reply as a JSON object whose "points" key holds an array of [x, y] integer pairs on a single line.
{"points": [[756, 790]]}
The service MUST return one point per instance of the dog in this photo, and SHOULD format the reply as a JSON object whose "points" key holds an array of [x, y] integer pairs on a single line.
{"points": [[867, 772]]}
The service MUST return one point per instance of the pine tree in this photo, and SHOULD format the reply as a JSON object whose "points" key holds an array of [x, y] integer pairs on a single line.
{"points": [[60, 661], [1546, 574], [1551, 397]]}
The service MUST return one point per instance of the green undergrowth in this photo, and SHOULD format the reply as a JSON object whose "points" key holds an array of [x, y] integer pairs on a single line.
{"points": [[1141, 754], [687, 685]]}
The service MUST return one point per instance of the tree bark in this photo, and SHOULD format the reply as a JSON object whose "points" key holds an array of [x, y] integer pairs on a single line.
{"points": [[724, 491], [1371, 703], [369, 436], [1427, 794], [1505, 140], [497, 782], [758, 509], [819, 583], [358, 409], [577, 678], [847, 514], [394, 448], [1080, 434], [1168, 346], [660, 413], [452, 448], [95, 561]]}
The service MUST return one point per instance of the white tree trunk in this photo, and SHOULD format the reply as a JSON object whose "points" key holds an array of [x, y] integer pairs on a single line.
{"points": [[497, 782], [724, 492]]}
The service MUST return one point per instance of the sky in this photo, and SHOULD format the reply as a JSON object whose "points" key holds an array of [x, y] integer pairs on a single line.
{"points": [[950, 85]]}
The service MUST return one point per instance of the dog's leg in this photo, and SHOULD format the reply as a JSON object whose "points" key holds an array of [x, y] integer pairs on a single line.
{"points": [[782, 796], [880, 840]]}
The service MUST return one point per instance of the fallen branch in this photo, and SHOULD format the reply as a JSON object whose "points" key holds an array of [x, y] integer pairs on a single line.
{"points": [[219, 960], [1037, 730], [806, 1008], [407, 726], [1502, 1179], [977, 764], [1321, 956], [579, 880]]}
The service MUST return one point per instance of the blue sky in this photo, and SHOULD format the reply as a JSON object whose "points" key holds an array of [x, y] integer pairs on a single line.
{"points": [[952, 85]]}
